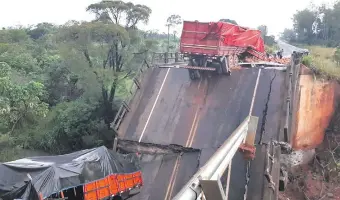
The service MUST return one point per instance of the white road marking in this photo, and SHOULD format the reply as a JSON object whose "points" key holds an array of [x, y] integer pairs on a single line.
{"points": [[154, 104], [254, 95]]}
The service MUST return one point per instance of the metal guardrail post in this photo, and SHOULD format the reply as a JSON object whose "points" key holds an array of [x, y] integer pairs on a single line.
{"points": [[176, 57], [166, 57], [207, 178]]}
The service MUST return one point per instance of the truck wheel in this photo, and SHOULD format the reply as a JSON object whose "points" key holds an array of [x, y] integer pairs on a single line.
{"points": [[236, 60], [219, 68], [225, 66], [192, 74], [197, 74]]}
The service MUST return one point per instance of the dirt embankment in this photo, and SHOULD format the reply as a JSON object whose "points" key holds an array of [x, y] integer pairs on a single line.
{"points": [[317, 127], [313, 110], [320, 178]]}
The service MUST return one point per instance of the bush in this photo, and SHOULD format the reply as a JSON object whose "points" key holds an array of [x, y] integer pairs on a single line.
{"points": [[336, 56], [307, 60], [70, 126]]}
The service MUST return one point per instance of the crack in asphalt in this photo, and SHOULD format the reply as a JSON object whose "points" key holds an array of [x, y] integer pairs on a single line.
{"points": [[247, 179], [265, 110], [129, 146], [262, 131]]}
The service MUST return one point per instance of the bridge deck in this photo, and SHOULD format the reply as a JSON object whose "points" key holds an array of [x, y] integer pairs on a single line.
{"points": [[200, 114]]}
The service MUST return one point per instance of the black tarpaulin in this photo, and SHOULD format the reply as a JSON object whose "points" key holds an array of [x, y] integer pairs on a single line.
{"points": [[26, 178]]}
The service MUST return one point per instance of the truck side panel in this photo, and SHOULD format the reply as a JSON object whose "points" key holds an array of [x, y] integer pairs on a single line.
{"points": [[218, 39], [192, 39]]}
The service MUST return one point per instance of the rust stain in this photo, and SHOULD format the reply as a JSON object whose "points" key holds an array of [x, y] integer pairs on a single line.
{"points": [[314, 111]]}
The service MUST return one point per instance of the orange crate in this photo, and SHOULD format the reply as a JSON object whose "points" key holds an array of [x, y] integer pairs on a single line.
{"points": [[137, 180], [91, 196], [120, 177], [113, 189], [112, 177], [89, 187], [102, 183], [137, 174], [121, 186], [129, 183], [128, 176], [103, 193]]}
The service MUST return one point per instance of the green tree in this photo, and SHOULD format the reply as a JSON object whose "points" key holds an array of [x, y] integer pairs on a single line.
{"points": [[19, 103], [264, 31], [288, 35], [119, 12], [303, 24], [172, 21], [40, 30], [268, 40], [105, 47]]}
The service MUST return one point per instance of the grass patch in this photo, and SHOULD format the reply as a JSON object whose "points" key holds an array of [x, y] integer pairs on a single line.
{"points": [[321, 60]]}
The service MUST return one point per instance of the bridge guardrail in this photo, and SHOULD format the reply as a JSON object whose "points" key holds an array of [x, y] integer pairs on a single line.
{"points": [[137, 80], [293, 76], [207, 180]]}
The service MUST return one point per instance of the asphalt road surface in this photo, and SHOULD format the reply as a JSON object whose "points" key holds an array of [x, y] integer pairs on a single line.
{"points": [[200, 114], [287, 48]]}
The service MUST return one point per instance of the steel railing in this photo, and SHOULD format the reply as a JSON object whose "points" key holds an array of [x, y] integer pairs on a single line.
{"points": [[206, 182], [137, 82]]}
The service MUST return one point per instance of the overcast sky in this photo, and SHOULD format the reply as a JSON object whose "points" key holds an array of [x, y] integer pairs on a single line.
{"points": [[276, 14]]}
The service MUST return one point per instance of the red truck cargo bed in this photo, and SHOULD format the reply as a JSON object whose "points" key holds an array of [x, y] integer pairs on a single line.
{"points": [[218, 39]]}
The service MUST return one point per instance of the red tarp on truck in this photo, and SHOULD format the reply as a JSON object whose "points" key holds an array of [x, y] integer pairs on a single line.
{"points": [[219, 38]]}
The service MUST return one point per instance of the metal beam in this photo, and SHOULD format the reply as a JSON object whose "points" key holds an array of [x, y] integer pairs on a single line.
{"points": [[212, 189]]}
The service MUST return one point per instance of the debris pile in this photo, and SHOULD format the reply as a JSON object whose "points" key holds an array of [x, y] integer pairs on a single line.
{"points": [[270, 59]]}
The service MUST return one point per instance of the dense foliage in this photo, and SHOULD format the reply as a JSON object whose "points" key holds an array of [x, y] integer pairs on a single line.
{"points": [[61, 85], [318, 29], [318, 25]]}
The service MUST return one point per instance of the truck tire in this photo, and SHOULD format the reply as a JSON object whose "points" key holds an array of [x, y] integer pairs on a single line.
{"points": [[225, 66], [197, 74], [219, 68], [192, 74], [236, 60]]}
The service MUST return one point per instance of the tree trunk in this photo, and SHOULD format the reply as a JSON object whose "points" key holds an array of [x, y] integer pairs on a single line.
{"points": [[87, 56], [168, 38], [108, 98]]}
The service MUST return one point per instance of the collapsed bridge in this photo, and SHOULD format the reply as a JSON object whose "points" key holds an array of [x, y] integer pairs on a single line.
{"points": [[168, 108]]}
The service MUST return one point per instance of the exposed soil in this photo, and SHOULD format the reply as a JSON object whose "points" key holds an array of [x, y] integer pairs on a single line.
{"points": [[319, 179]]}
